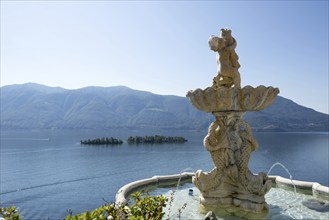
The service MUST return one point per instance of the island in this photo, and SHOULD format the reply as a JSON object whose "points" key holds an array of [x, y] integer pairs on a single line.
{"points": [[102, 141], [156, 139]]}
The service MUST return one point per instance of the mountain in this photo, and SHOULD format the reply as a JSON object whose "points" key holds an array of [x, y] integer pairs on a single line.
{"points": [[34, 106], [286, 115]]}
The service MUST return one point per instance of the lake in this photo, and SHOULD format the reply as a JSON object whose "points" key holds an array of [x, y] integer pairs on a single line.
{"points": [[45, 173]]}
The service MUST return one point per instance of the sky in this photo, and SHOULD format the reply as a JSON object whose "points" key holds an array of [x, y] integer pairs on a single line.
{"points": [[162, 46]]}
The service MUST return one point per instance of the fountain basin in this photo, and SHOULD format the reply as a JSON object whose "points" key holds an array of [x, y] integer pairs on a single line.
{"points": [[233, 99], [155, 181], [310, 195]]}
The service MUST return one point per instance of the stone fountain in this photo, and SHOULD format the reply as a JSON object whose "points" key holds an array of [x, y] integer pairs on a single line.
{"points": [[230, 184]]}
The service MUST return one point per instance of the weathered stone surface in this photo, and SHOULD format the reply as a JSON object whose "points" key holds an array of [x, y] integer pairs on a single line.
{"points": [[230, 185], [230, 143], [233, 99], [227, 60], [210, 216]]}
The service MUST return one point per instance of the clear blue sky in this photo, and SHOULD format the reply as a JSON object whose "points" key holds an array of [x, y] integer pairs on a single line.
{"points": [[162, 46]]}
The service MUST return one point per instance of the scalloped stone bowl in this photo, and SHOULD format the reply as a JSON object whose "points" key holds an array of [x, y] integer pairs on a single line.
{"points": [[233, 99]]}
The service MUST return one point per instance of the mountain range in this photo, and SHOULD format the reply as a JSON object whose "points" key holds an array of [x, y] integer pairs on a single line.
{"points": [[35, 106]]}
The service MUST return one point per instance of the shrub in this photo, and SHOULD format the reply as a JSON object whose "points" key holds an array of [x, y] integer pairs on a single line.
{"points": [[10, 213], [144, 207]]}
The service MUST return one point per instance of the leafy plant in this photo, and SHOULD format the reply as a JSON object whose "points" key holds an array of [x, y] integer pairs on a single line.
{"points": [[147, 207], [144, 207], [10, 213]]}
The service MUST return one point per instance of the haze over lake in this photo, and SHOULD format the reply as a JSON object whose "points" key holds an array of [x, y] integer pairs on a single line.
{"points": [[44, 173]]}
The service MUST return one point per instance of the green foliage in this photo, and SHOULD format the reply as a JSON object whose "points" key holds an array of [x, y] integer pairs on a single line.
{"points": [[157, 139], [105, 212], [144, 207], [10, 213], [148, 207], [102, 141]]}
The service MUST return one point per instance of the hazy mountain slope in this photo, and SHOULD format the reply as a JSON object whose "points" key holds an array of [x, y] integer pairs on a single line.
{"points": [[33, 106], [284, 114], [93, 108]]}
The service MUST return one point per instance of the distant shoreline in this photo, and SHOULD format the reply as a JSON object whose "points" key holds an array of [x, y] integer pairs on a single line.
{"points": [[148, 129]]}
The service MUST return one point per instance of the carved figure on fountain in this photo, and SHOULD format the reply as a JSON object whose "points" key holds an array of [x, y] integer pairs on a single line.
{"points": [[229, 140], [227, 60], [230, 143]]}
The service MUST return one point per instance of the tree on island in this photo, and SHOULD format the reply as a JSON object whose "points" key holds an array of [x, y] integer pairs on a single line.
{"points": [[156, 139], [102, 141]]}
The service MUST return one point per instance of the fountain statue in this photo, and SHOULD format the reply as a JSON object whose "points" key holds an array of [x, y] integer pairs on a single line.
{"points": [[230, 184]]}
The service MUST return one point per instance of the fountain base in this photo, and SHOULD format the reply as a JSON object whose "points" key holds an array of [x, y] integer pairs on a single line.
{"points": [[230, 182], [231, 194], [229, 210], [233, 202]]}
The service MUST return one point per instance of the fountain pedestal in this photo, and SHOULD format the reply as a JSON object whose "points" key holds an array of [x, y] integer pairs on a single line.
{"points": [[230, 184]]}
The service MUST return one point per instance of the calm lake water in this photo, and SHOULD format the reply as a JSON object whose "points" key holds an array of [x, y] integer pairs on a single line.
{"points": [[46, 173]]}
